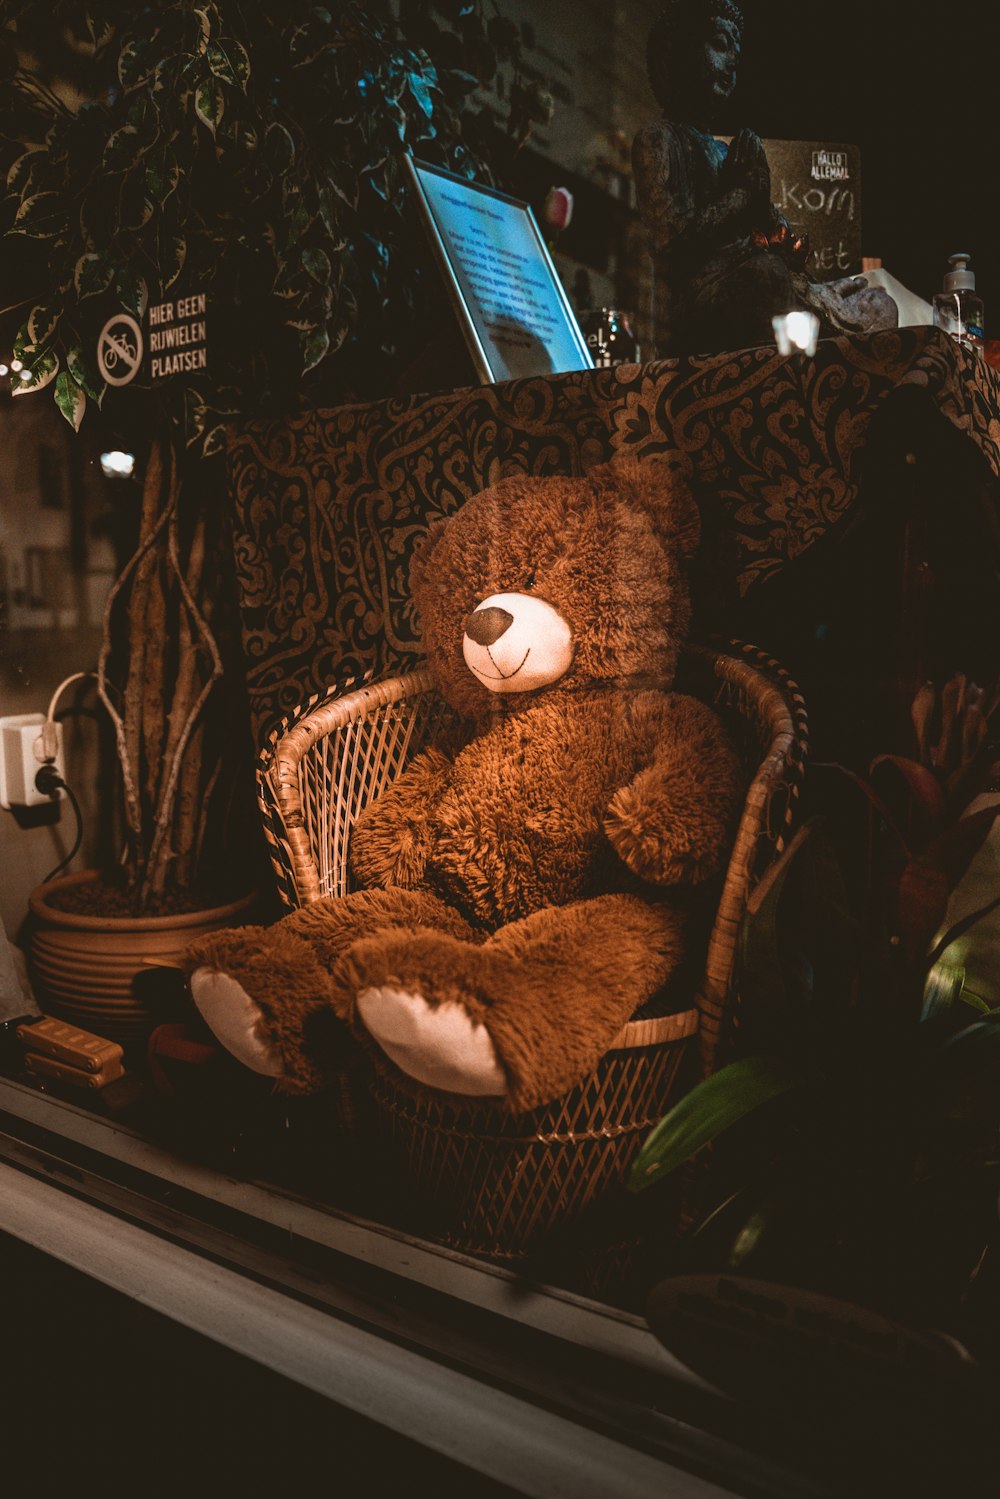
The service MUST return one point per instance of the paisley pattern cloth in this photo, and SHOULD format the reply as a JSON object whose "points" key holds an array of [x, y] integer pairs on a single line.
{"points": [[328, 506]]}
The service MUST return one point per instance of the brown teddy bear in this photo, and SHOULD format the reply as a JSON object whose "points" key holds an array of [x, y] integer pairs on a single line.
{"points": [[523, 887]]}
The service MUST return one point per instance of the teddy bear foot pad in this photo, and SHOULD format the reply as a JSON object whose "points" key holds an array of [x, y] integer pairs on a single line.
{"points": [[440, 1046], [235, 1020]]}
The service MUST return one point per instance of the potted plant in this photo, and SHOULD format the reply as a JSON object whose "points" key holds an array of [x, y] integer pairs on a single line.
{"points": [[857, 1136], [251, 154]]}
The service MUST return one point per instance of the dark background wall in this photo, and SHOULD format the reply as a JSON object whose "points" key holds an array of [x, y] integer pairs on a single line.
{"points": [[918, 88]]}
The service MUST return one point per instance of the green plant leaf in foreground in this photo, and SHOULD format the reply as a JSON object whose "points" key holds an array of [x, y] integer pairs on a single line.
{"points": [[705, 1113], [70, 399]]}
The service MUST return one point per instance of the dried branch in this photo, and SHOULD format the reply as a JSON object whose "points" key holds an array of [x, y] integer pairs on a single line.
{"points": [[182, 718], [126, 743]]}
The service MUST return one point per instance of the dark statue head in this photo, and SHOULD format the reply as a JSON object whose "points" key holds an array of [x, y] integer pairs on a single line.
{"points": [[692, 53]]}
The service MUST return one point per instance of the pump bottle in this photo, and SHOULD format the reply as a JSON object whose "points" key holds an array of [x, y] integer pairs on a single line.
{"points": [[957, 308]]}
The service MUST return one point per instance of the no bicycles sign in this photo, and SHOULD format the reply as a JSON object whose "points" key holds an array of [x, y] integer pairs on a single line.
{"points": [[173, 343], [119, 349]]}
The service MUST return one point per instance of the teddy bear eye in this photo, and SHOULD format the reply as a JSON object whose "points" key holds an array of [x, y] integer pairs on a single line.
{"points": [[529, 581]]}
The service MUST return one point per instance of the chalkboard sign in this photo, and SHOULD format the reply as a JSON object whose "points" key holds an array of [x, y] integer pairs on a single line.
{"points": [[818, 188]]}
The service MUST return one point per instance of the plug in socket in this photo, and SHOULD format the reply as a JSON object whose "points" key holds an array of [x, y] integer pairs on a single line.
{"points": [[21, 758]]}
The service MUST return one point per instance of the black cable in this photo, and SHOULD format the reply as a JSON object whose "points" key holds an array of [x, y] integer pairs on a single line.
{"points": [[49, 780]]}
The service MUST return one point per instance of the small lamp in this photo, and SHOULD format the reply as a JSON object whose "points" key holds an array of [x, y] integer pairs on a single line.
{"points": [[796, 332], [117, 465]]}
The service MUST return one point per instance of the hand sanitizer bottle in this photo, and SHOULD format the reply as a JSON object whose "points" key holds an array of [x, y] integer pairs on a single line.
{"points": [[957, 309]]}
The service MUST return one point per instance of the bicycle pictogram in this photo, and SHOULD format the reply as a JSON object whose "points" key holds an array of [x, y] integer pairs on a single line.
{"points": [[119, 349]]}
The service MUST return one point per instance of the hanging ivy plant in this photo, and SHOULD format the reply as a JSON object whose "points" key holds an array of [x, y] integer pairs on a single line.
{"points": [[246, 150]]}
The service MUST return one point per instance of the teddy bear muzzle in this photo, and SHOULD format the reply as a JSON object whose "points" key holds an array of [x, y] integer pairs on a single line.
{"points": [[516, 643]]}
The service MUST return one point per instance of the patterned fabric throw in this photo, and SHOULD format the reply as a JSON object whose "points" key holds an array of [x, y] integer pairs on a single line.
{"points": [[328, 506]]}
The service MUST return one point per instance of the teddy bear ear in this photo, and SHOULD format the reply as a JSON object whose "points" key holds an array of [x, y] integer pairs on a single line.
{"points": [[426, 545], [660, 487]]}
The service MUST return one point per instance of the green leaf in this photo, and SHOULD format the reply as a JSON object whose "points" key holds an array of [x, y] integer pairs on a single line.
{"points": [[943, 987], [927, 882], [299, 223], [205, 26], [315, 347], [41, 324], [123, 149], [97, 33], [93, 274], [173, 253], [279, 147], [239, 60], [975, 1002], [40, 216], [960, 928], [79, 366], [418, 88], [705, 1113], [136, 201], [23, 167], [328, 212], [229, 61], [954, 850], [132, 291], [210, 102], [70, 399], [137, 62], [36, 374], [162, 174], [339, 333], [317, 263]]}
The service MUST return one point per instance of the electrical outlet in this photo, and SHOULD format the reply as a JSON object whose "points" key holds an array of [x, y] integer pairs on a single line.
{"points": [[21, 758]]}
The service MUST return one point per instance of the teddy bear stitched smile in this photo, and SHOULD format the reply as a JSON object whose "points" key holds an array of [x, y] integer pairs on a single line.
{"points": [[510, 629]]}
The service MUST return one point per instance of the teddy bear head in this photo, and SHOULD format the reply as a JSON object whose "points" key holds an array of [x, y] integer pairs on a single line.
{"points": [[557, 584]]}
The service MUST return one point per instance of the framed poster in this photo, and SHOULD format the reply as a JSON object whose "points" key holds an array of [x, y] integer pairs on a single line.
{"points": [[515, 315]]}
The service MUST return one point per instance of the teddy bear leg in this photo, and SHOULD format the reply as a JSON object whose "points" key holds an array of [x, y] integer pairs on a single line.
{"points": [[524, 1015], [262, 990]]}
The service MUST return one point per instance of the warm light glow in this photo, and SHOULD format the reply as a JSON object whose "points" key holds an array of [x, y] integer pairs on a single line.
{"points": [[3, 370], [117, 465], [15, 364], [796, 332]]}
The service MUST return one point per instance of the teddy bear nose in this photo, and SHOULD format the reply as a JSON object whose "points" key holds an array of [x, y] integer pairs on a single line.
{"points": [[485, 626]]}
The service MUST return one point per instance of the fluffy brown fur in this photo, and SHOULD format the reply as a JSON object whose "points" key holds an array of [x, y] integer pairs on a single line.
{"points": [[295, 971], [526, 874], [552, 990]]}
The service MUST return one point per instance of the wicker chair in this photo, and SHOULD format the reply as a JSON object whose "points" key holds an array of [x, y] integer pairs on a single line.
{"points": [[491, 1182]]}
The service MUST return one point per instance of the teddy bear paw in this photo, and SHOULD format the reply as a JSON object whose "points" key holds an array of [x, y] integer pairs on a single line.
{"points": [[440, 1045], [234, 1019]]}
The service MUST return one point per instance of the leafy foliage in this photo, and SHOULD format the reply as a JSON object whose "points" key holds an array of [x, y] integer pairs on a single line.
{"points": [[247, 150], [251, 152], [859, 1141]]}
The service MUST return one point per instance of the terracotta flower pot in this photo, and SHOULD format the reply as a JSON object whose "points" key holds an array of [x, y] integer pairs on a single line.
{"points": [[83, 966]]}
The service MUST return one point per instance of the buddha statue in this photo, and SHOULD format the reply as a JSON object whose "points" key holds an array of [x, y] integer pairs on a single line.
{"points": [[726, 261]]}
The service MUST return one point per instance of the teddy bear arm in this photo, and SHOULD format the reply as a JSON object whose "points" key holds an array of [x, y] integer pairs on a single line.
{"points": [[393, 836], [672, 824]]}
